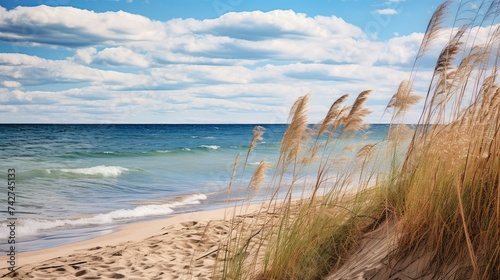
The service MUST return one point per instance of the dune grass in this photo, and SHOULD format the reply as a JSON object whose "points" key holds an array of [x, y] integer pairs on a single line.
{"points": [[439, 180]]}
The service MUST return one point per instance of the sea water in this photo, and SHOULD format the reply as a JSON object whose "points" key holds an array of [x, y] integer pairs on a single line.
{"points": [[74, 182]]}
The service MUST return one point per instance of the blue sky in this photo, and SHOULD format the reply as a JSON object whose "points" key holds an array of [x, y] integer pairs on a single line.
{"points": [[201, 61]]}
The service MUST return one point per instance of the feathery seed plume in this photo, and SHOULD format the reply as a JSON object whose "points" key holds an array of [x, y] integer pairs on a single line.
{"points": [[402, 100], [296, 131], [257, 131], [355, 119], [333, 114], [259, 176], [433, 28]]}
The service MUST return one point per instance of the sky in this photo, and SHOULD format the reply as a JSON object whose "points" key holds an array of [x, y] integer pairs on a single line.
{"points": [[203, 61]]}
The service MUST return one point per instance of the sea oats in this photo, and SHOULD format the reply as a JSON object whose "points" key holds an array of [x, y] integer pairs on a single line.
{"points": [[296, 131], [333, 115], [355, 119], [403, 99], [257, 131], [433, 28], [259, 176]]}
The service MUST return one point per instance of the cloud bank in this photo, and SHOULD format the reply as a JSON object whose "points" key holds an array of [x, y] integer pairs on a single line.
{"points": [[242, 67]]}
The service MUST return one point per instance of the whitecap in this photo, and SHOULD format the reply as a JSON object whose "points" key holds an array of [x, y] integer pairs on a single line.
{"points": [[27, 227], [212, 147], [101, 170]]}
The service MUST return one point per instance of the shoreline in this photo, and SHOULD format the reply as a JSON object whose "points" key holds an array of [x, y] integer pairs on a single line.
{"points": [[133, 234], [188, 246]]}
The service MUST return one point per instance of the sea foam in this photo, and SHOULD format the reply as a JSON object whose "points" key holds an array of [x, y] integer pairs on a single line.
{"points": [[101, 170], [211, 147], [29, 227]]}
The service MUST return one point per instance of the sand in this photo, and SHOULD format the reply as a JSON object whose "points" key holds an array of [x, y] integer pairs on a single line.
{"points": [[181, 247], [375, 259], [185, 246]]}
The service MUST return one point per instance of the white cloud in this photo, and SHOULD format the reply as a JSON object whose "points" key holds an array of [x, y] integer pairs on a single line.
{"points": [[121, 56], [400, 49], [386, 12], [85, 55], [234, 38], [14, 96], [265, 93], [11, 84], [72, 27], [259, 25], [240, 67], [33, 70]]}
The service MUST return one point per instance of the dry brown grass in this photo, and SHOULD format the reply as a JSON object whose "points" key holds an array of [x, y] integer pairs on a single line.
{"points": [[441, 186]]}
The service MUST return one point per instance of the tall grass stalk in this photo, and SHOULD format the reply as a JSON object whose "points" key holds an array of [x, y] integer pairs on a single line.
{"points": [[438, 181], [447, 194], [300, 241]]}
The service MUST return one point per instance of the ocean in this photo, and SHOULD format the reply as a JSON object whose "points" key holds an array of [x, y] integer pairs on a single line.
{"points": [[74, 182]]}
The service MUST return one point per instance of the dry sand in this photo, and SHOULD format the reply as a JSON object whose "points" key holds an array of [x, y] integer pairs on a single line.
{"points": [[186, 246], [374, 259], [181, 247]]}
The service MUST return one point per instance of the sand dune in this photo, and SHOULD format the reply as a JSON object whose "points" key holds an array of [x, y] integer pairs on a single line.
{"points": [[374, 259], [186, 246]]}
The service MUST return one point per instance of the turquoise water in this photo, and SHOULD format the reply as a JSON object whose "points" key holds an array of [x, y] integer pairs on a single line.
{"points": [[78, 181]]}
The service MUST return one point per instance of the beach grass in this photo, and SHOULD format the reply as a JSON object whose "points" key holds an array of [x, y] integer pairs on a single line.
{"points": [[436, 181]]}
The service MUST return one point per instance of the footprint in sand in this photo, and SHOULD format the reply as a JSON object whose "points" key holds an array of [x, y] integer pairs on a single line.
{"points": [[189, 224], [80, 273], [116, 276]]}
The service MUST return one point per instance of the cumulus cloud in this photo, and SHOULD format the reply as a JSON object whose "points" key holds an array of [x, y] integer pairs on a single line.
{"points": [[33, 70], [85, 55], [13, 97], [138, 41], [400, 49], [11, 84], [257, 25], [121, 56], [125, 67], [386, 11], [275, 35], [72, 27]]}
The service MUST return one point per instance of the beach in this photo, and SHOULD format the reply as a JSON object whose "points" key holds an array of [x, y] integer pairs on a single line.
{"points": [[198, 232], [70, 187], [186, 246], [242, 140], [175, 210], [135, 201], [181, 247]]}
